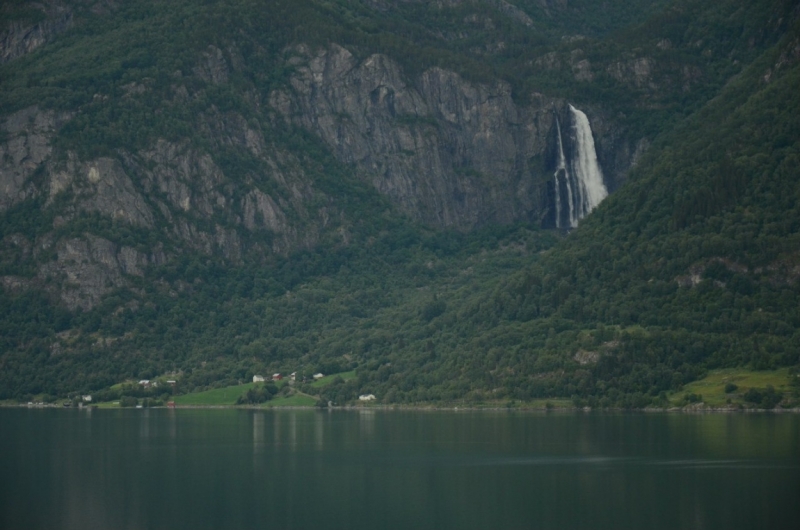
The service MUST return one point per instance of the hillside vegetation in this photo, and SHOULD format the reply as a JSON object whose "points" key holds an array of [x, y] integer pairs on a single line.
{"points": [[233, 238]]}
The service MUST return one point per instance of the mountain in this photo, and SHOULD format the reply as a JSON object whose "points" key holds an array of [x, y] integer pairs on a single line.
{"points": [[415, 190]]}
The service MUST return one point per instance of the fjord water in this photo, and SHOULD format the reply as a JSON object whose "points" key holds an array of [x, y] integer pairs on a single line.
{"points": [[306, 469]]}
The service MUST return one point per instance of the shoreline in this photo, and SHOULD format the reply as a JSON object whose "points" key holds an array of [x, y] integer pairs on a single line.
{"points": [[693, 409]]}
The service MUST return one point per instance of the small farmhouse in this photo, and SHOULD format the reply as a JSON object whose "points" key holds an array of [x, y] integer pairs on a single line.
{"points": [[318, 376], [258, 378], [366, 397]]}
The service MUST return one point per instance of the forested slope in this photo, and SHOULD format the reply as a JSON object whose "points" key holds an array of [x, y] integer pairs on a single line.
{"points": [[214, 190], [692, 265]]}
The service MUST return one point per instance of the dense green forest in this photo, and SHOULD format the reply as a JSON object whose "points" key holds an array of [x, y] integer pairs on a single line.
{"points": [[693, 264]]}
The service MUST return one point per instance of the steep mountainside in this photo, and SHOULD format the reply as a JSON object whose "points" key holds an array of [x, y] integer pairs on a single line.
{"points": [[236, 186], [692, 265]]}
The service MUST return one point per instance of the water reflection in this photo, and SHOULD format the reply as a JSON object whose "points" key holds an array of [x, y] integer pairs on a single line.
{"points": [[319, 430], [276, 430], [367, 422], [374, 469], [144, 423], [293, 430], [172, 422], [258, 432]]}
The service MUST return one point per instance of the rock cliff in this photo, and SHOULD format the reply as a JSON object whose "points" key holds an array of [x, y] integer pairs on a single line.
{"points": [[22, 36], [448, 152], [173, 191]]}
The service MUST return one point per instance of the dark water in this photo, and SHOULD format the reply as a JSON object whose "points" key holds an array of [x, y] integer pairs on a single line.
{"points": [[198, 469]]}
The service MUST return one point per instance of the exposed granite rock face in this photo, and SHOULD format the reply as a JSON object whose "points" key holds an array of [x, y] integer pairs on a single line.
{"points": [[89, 267], [446, 151], [636, 71], [190, 180], [449, 152], [173, 188], [581, 67], [424, 146], [24, 145], [195, 187], [18, 38], [232, 130], [213, 67], [261, 211], [100, 186]]}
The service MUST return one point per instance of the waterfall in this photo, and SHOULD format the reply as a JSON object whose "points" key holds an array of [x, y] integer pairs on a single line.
{"points": [[585, 165], [581, 175], [561, 168]]}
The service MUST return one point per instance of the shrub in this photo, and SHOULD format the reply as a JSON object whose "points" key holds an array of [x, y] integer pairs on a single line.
{"points": [[693, 398], [258, 394], [128, 401], [765, 398]]}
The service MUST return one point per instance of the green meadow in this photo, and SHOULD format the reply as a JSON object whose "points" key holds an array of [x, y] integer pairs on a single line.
{"points": [[227, 396], [215, 397], [328, 379], [296, 400], [712, 387]]}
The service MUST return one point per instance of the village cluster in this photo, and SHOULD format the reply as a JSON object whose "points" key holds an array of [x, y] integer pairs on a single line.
{"points": [[317, 377]]}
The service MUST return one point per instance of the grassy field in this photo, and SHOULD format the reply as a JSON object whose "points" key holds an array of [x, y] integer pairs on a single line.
{"points": [[328, 379], [218, 396], [227, 396], [712, 387], [107, 405], [555, 403], [297, 400]]}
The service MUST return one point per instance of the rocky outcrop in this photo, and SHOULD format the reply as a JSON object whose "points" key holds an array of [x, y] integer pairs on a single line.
{"points": [[100, 186], [189, 180], [581, 67], [25, 138], [174, 189], [20, 37], [86, 268], [636, 71], [448, 152], [213, 67], [514, 12], [196, 188]]}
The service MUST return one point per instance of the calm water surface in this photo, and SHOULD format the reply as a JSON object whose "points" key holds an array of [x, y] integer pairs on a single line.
{"points": [[198, 469]]}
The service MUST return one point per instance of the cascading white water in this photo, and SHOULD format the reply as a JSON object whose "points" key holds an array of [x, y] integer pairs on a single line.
{"points": [[561, 171], [584, 164], [582, 176]]}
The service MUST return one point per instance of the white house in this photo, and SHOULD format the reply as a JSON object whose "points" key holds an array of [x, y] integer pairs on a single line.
{"points": [[258, 378], [318, 376], [145, 383], [87, 398], [366, 397]]}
